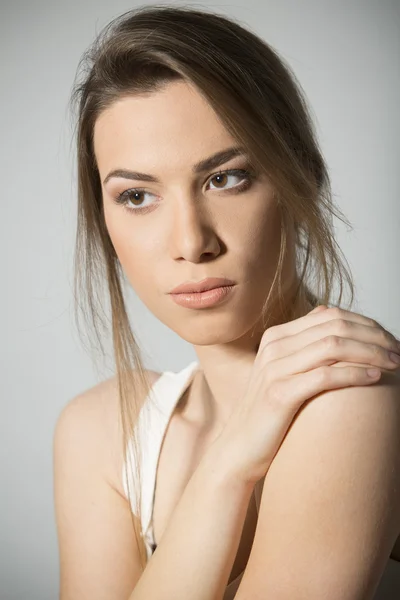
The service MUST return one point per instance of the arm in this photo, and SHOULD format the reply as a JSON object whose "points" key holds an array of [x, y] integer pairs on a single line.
{"points": [[196, 553], [330, 507], [99, 557], [98, 554]]}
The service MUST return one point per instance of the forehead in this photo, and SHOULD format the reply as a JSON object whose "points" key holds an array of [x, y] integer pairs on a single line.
{"points": [[175, 122]]}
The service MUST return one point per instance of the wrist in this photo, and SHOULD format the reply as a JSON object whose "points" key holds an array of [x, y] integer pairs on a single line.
{"points": [[222, 467]]}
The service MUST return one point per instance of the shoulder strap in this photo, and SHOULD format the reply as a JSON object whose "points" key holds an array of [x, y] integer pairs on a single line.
{"points": [[151, 427]]}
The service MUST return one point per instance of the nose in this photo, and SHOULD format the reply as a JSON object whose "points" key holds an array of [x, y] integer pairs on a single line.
{"points": [[193, 232]]}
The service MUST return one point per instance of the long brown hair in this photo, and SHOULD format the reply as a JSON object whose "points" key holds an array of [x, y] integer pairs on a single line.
{"points": [[262, 105]]}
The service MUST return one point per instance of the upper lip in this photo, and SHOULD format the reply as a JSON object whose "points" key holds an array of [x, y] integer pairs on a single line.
{"points": [[202, 286]]}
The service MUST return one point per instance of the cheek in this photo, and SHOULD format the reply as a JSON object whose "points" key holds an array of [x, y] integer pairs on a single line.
{"points": [[259, 237], [133, 248], [120, 233]]}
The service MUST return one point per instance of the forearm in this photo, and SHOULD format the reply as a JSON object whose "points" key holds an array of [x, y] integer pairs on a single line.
{"points": [[196, 553]]}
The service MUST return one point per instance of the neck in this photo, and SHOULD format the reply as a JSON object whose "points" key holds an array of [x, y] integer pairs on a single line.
{"points": [[224, 369]]}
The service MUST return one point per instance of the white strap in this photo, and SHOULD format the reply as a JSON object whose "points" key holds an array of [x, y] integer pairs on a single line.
{"points": [[151, 427]]}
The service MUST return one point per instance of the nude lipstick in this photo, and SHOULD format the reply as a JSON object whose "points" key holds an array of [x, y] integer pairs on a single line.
{"points": [[202, 294]]}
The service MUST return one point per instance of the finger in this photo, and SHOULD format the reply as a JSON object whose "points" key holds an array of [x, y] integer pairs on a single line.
{"points": [[336, 327], [353, 317], [300, 388], [326, 351], [314, 318]]}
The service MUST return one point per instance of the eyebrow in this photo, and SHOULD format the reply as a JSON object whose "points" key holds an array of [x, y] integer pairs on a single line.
{"points": [[204, 165]]}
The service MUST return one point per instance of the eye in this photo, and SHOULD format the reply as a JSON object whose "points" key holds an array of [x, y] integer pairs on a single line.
{"points": [[131, 198], [222, 176]]}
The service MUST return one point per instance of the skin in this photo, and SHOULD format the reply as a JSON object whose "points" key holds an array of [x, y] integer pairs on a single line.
{"points": [[195, 227], [190, 223]]}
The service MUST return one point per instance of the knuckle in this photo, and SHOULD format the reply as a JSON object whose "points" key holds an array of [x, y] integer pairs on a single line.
{"points": [[268, 336], [322, 375], [373, 323], [331, 342], [269, 351], [335, 312], [359, 374], [376, 350], [354, 374], [342, 326], [386, 337]]}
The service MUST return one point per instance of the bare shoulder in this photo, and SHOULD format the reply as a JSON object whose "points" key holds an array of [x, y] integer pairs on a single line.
{"points": [[90, 506], [96, 413]]}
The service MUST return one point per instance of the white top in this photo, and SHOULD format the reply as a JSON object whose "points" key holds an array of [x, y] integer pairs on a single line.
{"points": [[151, 426]]}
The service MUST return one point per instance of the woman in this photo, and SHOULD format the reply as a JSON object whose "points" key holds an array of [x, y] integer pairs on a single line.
{"points": [[267, 468]]}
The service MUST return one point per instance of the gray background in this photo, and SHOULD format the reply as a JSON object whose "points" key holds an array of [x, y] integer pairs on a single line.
{"points": [[346, 55]]}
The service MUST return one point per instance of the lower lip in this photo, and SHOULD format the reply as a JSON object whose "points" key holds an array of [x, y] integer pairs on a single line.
{"points": [[202, 299]]}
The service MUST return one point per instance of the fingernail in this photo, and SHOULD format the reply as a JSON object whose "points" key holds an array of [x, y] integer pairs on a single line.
{"points": [[373, 372], [394, 357]]}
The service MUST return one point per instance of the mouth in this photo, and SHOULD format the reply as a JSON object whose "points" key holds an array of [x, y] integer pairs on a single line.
{"points": [[208, 298], [210, 283]]}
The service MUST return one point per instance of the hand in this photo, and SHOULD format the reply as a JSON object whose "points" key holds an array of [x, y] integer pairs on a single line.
{"points": [[294, 363]]}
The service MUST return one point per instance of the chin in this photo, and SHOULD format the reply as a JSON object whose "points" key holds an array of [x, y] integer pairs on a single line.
{"points": [[211, 330]]}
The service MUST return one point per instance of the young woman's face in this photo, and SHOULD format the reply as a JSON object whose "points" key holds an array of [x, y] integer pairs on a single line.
{"points": [[186, 225]]}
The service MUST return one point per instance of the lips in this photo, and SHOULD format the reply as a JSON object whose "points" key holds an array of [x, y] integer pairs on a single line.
{"points": [[202, 286]]}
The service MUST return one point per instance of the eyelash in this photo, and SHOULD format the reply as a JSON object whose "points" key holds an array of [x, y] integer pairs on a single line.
{"points": [[247, 177]]}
